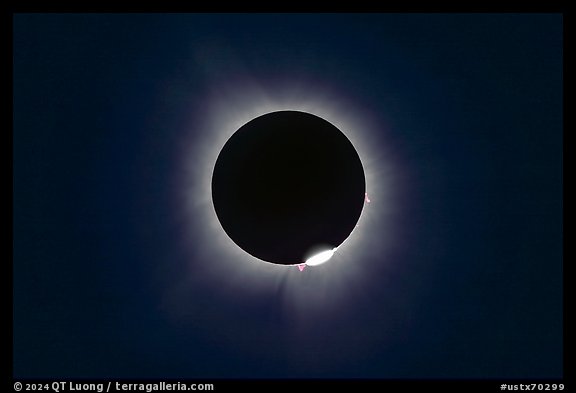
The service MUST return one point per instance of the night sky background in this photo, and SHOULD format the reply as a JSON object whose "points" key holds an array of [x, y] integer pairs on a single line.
{"points": [[102, 109]]}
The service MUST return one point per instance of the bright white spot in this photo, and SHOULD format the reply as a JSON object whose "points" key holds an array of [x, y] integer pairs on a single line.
{"points": [[320, 258], [366, 197], [301, 267]]}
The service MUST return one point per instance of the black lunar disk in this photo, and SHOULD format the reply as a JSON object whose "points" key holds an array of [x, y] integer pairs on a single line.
{"points": [[286, 185]]}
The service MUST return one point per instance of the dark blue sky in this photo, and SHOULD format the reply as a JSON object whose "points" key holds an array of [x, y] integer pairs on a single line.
{"points": [[473, 108]]}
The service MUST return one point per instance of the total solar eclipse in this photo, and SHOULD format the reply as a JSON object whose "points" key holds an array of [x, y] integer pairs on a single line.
{"points": [[288, 187]]}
